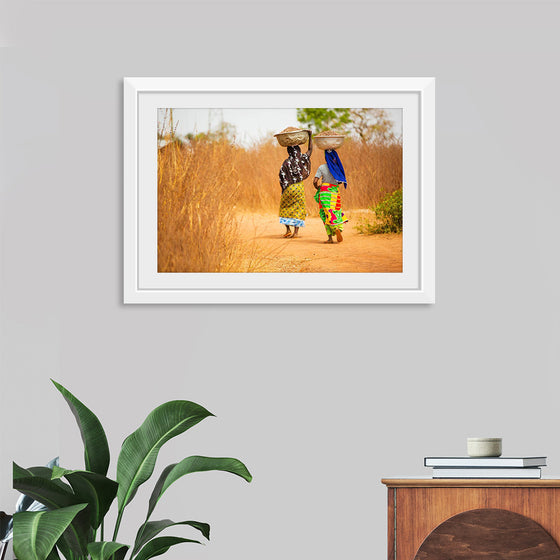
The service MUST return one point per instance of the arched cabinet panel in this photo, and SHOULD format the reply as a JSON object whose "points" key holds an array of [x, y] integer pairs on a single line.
{"points": [[495, 534], [473, 519]]}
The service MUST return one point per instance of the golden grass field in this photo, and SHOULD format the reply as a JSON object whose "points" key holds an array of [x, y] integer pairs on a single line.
{"points": [[205, 188]]}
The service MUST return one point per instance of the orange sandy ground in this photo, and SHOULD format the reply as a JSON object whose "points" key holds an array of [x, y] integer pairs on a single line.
{"points": [[309, 253]]}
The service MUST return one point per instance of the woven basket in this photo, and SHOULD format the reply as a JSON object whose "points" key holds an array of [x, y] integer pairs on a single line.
{"points": [[329, 142], [292, 137]]}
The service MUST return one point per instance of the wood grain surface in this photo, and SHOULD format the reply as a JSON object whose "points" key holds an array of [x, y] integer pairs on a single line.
{"points": [[419, 510], [391, 524], [489, 534]]}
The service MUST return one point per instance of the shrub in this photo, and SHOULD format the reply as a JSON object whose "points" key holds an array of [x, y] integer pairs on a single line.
{"points": [[388, 216]]}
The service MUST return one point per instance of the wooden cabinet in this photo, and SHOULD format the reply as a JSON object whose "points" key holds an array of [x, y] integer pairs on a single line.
{"points": [[508, 518]]}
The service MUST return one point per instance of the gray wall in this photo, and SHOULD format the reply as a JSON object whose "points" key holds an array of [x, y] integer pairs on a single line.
{"points": [[318, 429]]}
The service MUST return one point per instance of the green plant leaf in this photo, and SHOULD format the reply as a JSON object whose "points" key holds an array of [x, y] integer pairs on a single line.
{"points": [[25, 503], [160, 545], [193, 464], [148, 531], [55, 494], [39, 472], [5, 524], [95, 489], [36, 533], [96, 448], [53, 555], [66, 552], [105, 550], [140, 449]]}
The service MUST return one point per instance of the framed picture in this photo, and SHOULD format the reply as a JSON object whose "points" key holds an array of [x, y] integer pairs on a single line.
{"points": [[279, 190]]}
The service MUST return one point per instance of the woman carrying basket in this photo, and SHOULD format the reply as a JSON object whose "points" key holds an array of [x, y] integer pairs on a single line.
{"points": [[295, 169], [327, 180]]}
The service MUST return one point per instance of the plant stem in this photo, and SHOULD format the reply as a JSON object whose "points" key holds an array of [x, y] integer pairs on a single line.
{"points": [[117, 524]]}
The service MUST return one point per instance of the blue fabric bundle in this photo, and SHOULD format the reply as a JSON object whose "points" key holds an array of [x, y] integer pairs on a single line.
{"points": [[335, 166]]}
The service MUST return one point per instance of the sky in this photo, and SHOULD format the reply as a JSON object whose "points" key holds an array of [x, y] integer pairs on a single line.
{"points": [[252, 125]]}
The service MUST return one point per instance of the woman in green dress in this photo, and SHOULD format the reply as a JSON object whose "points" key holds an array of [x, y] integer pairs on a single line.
{"points": [[327, 180]]}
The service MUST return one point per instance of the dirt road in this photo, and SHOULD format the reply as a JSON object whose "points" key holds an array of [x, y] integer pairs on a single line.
{"points": [[309, 253]]}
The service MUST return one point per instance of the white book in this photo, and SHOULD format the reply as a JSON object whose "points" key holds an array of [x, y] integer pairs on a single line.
{"points": [[527, 472], [467, 462]]}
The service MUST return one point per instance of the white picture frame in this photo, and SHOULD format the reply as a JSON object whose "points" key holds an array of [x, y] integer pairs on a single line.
{"points": [[143, 283]]}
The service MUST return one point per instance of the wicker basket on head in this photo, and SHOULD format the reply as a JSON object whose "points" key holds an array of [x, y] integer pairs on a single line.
{"points": [[329, 140], [292, 136]]}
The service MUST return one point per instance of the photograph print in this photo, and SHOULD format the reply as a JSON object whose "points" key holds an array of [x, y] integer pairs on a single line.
{"points": [[279, 190]]}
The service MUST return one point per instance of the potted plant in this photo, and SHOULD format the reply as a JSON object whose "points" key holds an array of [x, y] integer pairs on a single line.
{"points": [[78, 501]]}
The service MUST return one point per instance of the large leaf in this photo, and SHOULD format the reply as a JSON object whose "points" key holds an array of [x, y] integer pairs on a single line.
{"points": [[149, 530], [5, 525], [160, 545], [95, 489], [105, 550], [66, 552], [96, 448], [193, 464], [36, 533], [47, 474], [55, 494], [52, 494], [53, 554], [25, 503], [140, 449]]}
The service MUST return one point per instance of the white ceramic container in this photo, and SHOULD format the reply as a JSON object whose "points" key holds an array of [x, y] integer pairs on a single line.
{"points": [[484, 447]]}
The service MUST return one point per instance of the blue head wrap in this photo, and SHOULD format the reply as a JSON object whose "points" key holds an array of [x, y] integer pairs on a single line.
{"points": [[335, 166]]}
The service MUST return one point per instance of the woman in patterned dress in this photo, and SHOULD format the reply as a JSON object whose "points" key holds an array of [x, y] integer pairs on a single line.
{"points": [[327, 180], [295, 169]]}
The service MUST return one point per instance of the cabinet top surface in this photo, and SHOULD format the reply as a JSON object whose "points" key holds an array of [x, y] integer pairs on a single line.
{"points": [[470, 482]]}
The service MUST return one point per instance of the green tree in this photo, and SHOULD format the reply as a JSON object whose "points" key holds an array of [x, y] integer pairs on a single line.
{"points": [[321, 119], [369, 125]]}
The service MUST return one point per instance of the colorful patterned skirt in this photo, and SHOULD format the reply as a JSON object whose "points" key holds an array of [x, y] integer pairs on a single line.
{"points": [[328, 198], [292, 205]]}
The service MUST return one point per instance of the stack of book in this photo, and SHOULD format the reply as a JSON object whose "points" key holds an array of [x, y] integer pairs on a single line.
{"points": [[485, 467]]}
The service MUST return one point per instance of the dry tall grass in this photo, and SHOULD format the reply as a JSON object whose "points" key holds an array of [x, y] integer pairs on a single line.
{"points": [[372, 171], [202, 185], [196, 195]]}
